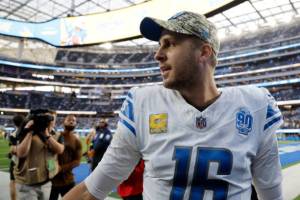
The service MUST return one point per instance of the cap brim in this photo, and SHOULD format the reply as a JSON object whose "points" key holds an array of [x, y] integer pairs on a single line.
{"points": [[151, 28]]}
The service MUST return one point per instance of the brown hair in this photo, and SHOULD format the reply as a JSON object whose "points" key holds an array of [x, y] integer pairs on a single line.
{"points": [[198, 44]]}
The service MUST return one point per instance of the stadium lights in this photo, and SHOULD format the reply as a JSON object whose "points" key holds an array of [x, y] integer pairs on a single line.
{"points": [[107, 45], [36, 88], [221, 34], [65, 112], [236, 31], [42, 76], [252, 27], [49, 88], [286, 18], [5, 89], [296, 16], [271, 22]]}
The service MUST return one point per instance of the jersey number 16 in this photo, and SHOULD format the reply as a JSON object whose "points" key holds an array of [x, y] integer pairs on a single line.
{"points": [[200, 182]]}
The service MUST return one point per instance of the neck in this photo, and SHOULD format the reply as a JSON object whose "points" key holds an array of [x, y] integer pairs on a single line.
{"points": [[66, 132], [201, 95]]}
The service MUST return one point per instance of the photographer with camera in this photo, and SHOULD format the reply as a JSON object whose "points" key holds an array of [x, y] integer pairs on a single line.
{"points": [[37, 150]]}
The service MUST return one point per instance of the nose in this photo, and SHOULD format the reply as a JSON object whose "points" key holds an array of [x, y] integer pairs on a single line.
{"points": [[160, 55]]}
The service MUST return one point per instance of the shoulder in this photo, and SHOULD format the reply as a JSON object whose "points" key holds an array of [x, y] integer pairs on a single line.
{"points": [[108, 131], [77, 141], [150, 93], [251, 95], [75, 135], [147, 91]]}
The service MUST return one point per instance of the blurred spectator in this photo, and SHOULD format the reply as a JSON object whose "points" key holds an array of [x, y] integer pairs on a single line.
{"points": [[254, 193], [100, 142], [17, 120], [69, 159], [89, 154]]}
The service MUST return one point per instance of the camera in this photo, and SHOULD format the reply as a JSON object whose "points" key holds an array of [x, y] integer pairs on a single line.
{"points": [[41, 119]]}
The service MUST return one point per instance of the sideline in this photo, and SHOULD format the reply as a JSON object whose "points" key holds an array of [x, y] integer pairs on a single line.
{"points": [[291, 183], [4, 187]]}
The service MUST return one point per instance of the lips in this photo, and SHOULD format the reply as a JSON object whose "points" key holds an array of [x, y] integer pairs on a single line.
{"points": [[164, 69]]}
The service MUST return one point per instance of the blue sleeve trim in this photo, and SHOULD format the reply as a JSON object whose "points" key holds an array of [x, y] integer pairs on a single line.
{"points": [[131, 128], [270, 123], [127, 110], [130, 95], [271, 112]]}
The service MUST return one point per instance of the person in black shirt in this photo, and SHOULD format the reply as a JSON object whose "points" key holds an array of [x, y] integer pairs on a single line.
{"points": [[100, 142]]}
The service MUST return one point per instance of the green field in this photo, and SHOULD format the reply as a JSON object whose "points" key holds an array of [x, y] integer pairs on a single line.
{"points": [[4, 149], [287, 142], [4, 161]]}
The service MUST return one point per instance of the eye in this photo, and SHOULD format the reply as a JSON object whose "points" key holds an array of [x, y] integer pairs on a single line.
{"points": [[166, 44]]}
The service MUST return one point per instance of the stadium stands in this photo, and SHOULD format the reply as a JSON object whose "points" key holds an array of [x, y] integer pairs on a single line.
{"points": [[268, 58]]}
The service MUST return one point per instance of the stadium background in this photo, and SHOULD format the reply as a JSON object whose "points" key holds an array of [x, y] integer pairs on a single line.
{"points": [[260, 45]]}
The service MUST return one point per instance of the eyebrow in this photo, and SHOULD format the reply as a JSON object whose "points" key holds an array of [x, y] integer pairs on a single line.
{"points": [[166, 38]]}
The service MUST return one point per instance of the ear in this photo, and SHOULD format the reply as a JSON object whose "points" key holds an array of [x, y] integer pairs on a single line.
{"points": [[206, 51]]}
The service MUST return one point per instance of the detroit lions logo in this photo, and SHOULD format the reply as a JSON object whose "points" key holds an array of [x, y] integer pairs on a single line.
{"points": [[244, 121]]}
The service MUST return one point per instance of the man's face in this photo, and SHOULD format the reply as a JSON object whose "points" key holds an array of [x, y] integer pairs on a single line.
{"points": [[177, 60], [102, 123], [70, 122]]}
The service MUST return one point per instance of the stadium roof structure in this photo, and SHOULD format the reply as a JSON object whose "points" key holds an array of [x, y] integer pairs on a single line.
{"points": [[247, 15]]}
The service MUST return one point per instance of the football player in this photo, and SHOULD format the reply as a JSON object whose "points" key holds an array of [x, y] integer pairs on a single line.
{"points": [[197, 141]]}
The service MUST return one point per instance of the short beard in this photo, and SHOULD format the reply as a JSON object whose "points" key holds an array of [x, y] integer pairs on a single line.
{"points": [[69, 128], [187, 81], [186, 77], [178, 85]]}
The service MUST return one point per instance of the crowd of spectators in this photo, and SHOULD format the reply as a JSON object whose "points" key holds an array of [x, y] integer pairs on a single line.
{"points": [[264, 35], [84, 123], [267, 37], [290, 93], [33, 100], [225, 66], [87, 58], [251, 65], [105, 106], [231, 62]]}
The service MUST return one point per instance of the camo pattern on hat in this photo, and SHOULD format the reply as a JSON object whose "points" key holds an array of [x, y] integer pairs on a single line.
{"points": [[185, 23]]}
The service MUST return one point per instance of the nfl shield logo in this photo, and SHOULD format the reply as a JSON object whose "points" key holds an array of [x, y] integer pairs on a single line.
{"points": [[200, 122]]}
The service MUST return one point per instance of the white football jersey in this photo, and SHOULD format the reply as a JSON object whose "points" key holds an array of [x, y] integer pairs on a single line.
{"points": [[190, 155]]}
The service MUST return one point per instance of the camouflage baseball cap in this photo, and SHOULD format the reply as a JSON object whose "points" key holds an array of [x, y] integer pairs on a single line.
{"points": [[183, 22]]}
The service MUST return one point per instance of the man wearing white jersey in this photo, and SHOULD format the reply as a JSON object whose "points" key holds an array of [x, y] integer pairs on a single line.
{"points": [[197, 141]]}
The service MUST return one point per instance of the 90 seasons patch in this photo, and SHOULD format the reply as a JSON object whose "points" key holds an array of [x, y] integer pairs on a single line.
{"points": [[158, 123]]}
